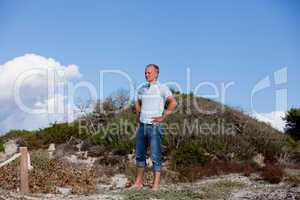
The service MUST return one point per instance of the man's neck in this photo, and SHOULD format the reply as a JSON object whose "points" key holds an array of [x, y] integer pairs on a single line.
{"points": [[152, 82]]}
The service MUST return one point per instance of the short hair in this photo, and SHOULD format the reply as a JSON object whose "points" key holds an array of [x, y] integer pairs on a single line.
{"points": [[155, 66]]}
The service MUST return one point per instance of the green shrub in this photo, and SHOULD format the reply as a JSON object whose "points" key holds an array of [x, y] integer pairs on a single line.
{"points": [[190, 154], [56, 133], [2, 147], [292, 119]]}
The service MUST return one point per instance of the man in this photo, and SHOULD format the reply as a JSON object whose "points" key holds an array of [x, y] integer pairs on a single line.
{"points": [[150, 104]]}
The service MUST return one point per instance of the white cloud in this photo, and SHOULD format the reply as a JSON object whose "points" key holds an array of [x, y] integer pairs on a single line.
{"points": [[35, 73], [273, 118]]}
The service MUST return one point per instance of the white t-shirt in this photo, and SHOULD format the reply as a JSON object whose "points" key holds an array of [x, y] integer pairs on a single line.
{"points": [[153, 97]]}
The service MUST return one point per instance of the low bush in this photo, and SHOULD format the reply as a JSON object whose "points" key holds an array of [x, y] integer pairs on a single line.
{"points": [[272, 173]]}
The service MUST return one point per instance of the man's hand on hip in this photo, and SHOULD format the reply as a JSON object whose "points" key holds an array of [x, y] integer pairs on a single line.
{"points": [[158, 119]]}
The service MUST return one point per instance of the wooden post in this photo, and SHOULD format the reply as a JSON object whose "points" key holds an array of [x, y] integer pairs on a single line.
{"points": [[24, 170]]}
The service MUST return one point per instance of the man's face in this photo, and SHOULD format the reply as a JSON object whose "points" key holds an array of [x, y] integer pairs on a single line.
{"points": [[150, 74]]}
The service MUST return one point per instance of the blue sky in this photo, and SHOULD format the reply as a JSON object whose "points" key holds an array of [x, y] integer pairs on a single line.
{"points": [[220, 41]]}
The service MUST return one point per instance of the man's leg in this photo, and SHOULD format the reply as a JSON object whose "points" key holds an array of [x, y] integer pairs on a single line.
{"points": [[140, 157], [155, 143], [139, 177], [156, 181]]}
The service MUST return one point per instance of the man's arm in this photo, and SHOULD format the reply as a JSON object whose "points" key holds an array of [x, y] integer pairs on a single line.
{"points": [[172, 103], [138, 104]]}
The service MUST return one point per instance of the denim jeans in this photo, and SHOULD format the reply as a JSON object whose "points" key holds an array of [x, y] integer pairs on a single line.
{"points": [[148, 135]]}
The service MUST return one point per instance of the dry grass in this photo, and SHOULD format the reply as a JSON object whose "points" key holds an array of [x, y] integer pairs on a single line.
{"points": [[47, 174], [272, 173]]}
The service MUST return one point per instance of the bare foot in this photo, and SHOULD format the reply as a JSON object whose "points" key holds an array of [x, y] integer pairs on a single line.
{"points": [[155, 188]]}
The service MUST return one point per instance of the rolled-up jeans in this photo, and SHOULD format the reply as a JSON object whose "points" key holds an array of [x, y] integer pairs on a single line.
{"points": [[149, 135]]}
